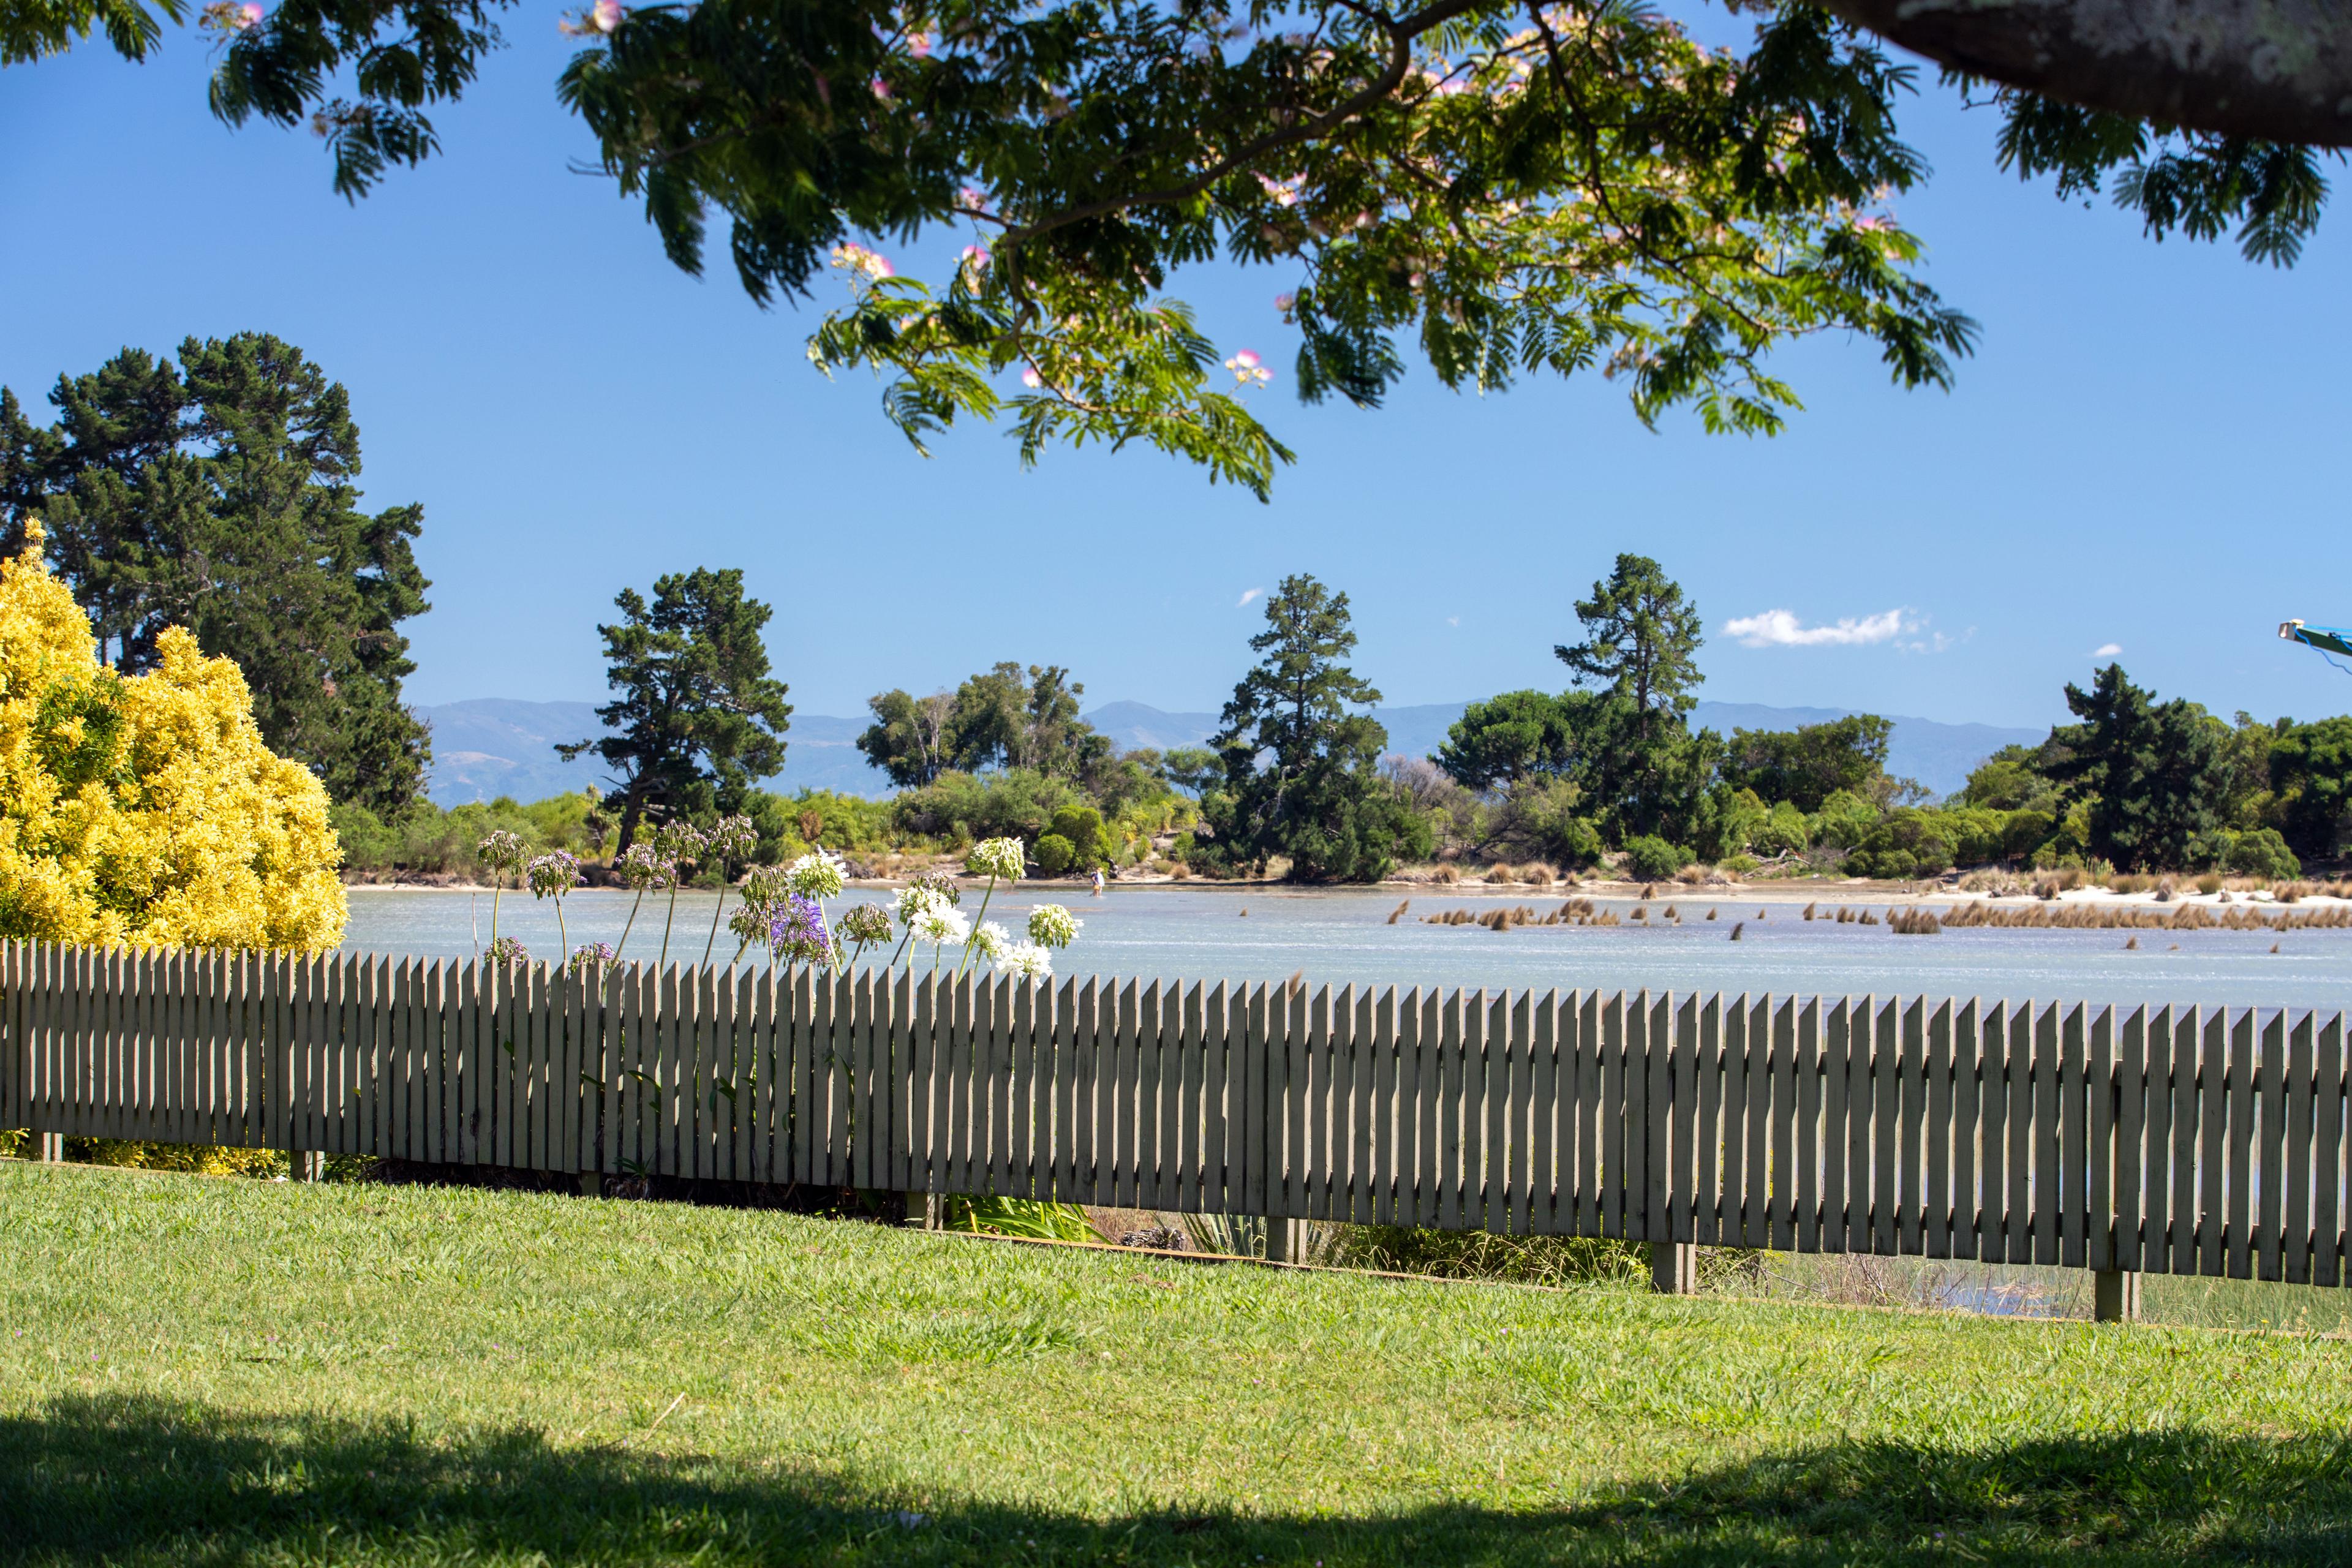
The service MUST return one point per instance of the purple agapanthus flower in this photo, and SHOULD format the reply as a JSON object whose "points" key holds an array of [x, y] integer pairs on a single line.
{"points": [[798, 932]]}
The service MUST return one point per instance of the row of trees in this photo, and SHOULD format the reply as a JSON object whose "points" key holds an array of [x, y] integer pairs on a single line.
{"points": [[220, 493]]}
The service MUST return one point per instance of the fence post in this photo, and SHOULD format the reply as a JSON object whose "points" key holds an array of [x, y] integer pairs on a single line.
{"points": [[1286, 1239], [49, 1147], [307, 1164], [1673, 1268], [2115, 1296]]}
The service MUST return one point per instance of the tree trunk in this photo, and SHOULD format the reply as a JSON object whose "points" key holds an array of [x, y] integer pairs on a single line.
{"points": [[2275, 70]]}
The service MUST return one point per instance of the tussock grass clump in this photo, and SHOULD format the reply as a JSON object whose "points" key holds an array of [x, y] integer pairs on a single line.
{"points": [[2210, 882], [1445, 873], [1916, 920]]}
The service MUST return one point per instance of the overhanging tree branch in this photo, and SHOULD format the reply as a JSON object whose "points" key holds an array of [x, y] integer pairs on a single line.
{"points": [[2273, 70]]}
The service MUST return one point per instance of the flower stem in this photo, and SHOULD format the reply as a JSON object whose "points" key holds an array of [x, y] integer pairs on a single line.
{"points": [[628, 924], [497, 886], [715, 912], [968, 942], [562, 935], [671, 920]]}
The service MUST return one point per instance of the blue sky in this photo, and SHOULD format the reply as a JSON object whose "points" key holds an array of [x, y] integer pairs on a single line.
{"points": [[2146, 452]]}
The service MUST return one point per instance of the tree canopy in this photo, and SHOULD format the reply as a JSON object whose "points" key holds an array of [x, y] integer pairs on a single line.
{"points": [[1500, 190], [1002, 718], [1806, 765], [220, 494], [1302, 765], [697, 720]]}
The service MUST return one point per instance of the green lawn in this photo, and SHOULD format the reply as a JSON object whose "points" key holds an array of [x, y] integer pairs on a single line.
{"points": [[220, 1372]]}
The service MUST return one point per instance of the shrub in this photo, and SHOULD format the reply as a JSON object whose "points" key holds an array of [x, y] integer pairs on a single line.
{"points": [[1649, 858], [1089, 840], [1054, 855], [1737, 865], [2263, 853], [146, 808], [1783, 831]]}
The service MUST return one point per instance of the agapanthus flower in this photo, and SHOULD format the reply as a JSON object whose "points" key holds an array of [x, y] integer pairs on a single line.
{"points": [[939, 925], [553, 874], [751, 922], [678, 841], [992, 941], [996, 858], [765, 888], [731, 837], [912, 902], [1027, 960], [866, 924], [501, 851], [641, 866], [1051, 925], [592, 955], [798, 933], [507, 950], [817, 875]]}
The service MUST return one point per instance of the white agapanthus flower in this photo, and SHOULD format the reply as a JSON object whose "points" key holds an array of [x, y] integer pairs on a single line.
{"points": [[994, 942], [942, 925], [1026, 959], [817, 875], [996, 858], [910, 904], [1051, 925]]}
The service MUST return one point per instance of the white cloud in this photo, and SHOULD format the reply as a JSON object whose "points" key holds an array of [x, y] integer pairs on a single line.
{"points": [[2107, 650], [1781, 628], [1247, 594], [1454, 620]]}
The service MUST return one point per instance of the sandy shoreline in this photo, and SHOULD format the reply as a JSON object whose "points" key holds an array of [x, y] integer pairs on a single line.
{"points": [[1770, 894]]}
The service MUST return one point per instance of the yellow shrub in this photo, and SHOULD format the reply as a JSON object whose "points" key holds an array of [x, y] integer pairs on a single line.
{"points": [[145, 808]]}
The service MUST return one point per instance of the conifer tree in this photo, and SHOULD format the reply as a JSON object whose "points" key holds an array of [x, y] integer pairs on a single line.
{"points": [[1302, 767], [699, 721], [220, 494]]}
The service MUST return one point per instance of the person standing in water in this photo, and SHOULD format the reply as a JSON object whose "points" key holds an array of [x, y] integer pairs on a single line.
{"points": [[1098, 882]]}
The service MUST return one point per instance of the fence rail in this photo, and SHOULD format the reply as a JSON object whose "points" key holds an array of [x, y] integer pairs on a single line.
{"points": [[2119, 1139]]}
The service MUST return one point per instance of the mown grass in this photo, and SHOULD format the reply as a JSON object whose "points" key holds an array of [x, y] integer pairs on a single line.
{"points": [[217, 1373]]}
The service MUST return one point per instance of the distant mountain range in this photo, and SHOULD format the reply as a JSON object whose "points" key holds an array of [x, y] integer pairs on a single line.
{"points": [[494, 745]]}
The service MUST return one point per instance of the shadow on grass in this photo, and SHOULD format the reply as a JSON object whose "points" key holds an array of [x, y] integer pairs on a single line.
{"points": [[139, 1481]]}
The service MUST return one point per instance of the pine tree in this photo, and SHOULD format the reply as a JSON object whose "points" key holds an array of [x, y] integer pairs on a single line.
{"points": [[2157, 773], [1301, 769], [219, 494], [1641, 647], [699, 722]]}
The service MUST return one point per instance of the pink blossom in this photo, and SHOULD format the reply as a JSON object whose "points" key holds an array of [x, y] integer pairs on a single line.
{"points": [[975, 255], [1032, 380], [920, 45], [971, 199], [881, 88], [1874, 223], [606, 14], [1283, 302], [250, 13], [1246, 360]]}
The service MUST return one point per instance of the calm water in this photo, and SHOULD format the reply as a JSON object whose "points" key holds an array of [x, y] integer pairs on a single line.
{"points": [[1203, 934]]}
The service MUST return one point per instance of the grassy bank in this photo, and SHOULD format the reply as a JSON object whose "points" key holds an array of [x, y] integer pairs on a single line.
{"points": [[208, 1371]]}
